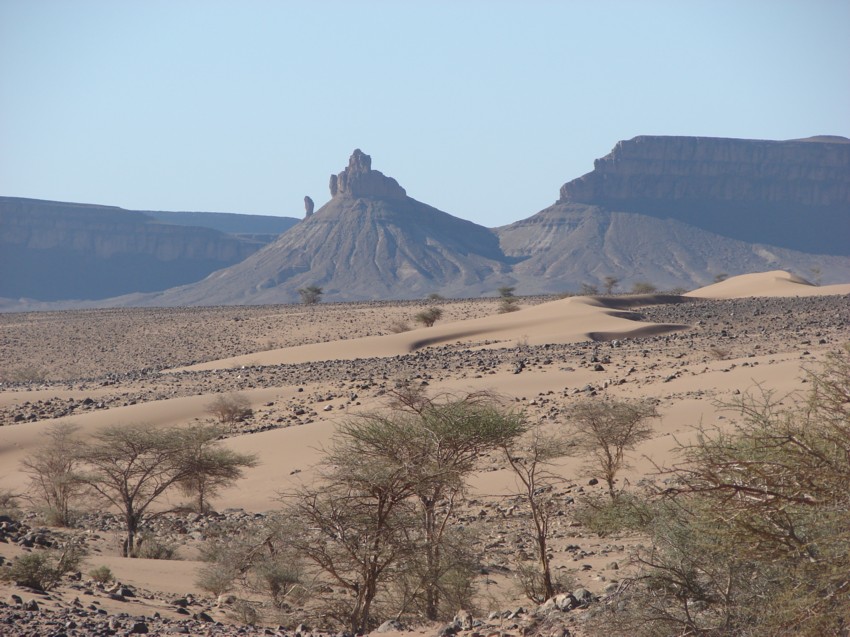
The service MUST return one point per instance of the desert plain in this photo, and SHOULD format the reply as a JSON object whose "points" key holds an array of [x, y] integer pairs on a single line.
{"points": [[305, 369]]}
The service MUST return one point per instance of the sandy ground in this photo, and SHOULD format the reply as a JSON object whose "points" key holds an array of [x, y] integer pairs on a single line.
{"points": [[306, 369]]}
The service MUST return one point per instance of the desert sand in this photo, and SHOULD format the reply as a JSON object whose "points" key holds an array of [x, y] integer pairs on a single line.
{"points": [[306, 369]]}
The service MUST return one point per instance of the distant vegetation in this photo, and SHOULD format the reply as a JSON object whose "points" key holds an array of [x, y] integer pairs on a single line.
{"points": [[507, 301], [429, 317], [310, 295], [643, 287]]}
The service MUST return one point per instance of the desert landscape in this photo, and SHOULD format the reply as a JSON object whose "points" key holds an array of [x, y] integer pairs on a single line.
{"points": [[304, 371]]}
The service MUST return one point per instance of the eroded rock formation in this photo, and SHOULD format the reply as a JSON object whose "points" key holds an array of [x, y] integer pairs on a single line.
{"points": [[359, 180], [308, 206]]}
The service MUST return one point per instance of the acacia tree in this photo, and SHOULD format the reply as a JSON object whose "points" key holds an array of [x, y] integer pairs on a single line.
{"points": [[531, 461], [607, 429], [429, 317], [209, 467], [508, 302], [751, 537], [311, 294], [610, 282], [133, 466], [439, 440], [391, 484], [52, 469], [358, 517]]}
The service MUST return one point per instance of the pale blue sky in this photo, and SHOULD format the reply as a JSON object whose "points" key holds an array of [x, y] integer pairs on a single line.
{"points": [[482, 109]]}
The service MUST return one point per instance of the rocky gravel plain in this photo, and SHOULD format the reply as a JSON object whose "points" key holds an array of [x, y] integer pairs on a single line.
{"points": [[58, 365]]}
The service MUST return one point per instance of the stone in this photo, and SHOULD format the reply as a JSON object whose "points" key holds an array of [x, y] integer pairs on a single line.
{"points": [[464, 619], [139, 628], [389, 625], [583, 596], [308, 206]]}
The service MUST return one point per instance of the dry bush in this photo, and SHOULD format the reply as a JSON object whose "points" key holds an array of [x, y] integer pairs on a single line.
{"points": [[508, 304], [230, 409], [52, 469], [429, 317], [101, 574], [9, 504], [399, 326], [150, 547], [644, 287], [259, 560]]}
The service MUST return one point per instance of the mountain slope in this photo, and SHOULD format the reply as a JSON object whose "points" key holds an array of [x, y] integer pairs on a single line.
{"points": [[568, 244], [370, 241]]}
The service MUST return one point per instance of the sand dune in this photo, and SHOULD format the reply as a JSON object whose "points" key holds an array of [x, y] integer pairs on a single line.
{"points": [[775, 283], [568, 320]]}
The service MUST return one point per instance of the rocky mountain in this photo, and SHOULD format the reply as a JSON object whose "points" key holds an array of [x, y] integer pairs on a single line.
{"points": [[671, 211], [679, 211], [370, 241], [52, 250], [568, 244], [792, 194]]}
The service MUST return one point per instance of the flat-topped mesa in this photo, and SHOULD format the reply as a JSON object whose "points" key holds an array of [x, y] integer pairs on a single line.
{"points": [[805, 172], [359, 180]]}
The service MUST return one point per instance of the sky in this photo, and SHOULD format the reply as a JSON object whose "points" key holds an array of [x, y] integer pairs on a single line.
{"points": [[482, 109]]}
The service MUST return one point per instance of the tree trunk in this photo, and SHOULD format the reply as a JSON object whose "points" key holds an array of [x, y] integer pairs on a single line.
{"points": [[540, 524], [130, 540], [432, 564]]}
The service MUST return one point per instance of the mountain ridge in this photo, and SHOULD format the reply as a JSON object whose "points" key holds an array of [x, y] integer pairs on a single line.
{"points": [[672, 211]]}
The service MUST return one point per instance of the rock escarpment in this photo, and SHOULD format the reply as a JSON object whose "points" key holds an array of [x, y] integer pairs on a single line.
{"points": [[359, 180], [793, 194], [53, 250]]}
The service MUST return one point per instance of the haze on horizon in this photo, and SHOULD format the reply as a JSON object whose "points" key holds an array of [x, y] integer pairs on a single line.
{"points": [[482, 109]]}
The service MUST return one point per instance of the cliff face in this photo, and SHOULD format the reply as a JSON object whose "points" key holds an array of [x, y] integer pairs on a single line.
{"points": [[52, 250], [794, 194]]}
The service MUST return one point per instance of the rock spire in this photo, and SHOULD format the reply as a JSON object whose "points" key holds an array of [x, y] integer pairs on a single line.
{"points": [[359, 180]]}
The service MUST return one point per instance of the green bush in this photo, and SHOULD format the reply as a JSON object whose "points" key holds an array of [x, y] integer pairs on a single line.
{"points": [[44, 569], [101, 574], [604, 516]]}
